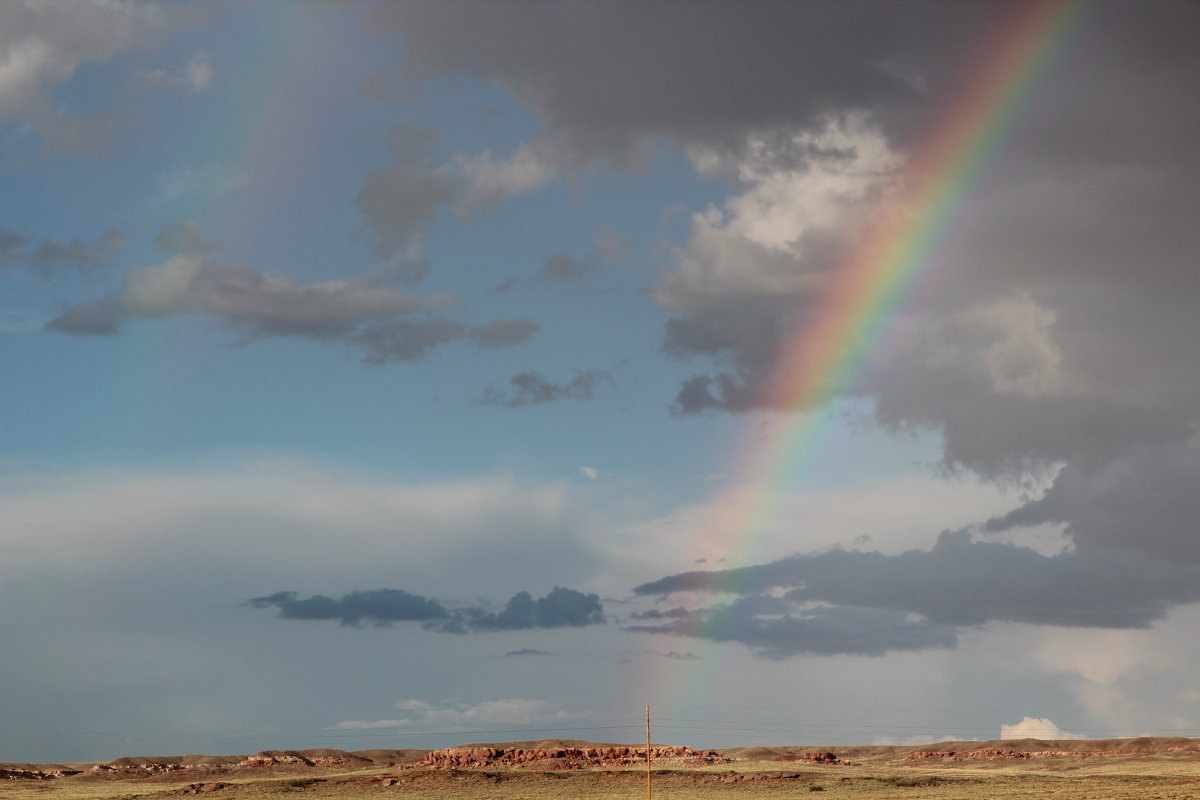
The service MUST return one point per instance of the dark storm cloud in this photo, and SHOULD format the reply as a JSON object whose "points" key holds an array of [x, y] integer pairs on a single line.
{"points": [[1053, 333], [383, 607], [706, 71], [965, 582], [1147, 504], [773, 628], [49, 257], [532, 388]]}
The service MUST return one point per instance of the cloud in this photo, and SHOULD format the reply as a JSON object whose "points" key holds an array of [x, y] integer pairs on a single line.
{"points": [[1053, 328], [359, 311], [527, 651], [504, 332], [95, 318], [775, 628], [962, 582], [675, 655], [363, 725], [802, 194], [122, 534], [43, 44], [591, 473], [208, 179], [533, 388], [461, 715], [352, 525], [1036, 728], [1014, 352], [49, 257], [506, 285], [401, 200], [378, 606], [507, 711], [679, 612], [487, 179], [405, 340], [383, 607], [563, 267], [545, 55], [1145, 503], [751, 268], [195, 76], [1053, 331], [561, 608], [255, 304]]}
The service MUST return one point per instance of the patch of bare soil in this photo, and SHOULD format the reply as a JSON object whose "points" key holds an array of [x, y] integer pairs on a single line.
{"points": [[589, 769]]}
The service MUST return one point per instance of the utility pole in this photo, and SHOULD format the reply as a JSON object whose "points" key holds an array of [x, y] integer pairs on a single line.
{"points": [[649, 790]]}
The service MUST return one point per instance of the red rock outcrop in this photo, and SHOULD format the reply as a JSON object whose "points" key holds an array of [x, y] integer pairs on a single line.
{"points": [[992, 754], [35, 774], [567, 757], [275, 758]]}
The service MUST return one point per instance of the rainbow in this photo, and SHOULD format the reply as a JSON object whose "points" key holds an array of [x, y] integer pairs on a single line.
{"points": [[826, 351]]}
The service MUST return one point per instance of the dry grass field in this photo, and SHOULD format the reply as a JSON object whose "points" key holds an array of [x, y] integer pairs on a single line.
{"points": [[1148, 773]]}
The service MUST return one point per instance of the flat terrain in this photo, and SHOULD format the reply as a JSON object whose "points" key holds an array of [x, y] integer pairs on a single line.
{"points": [[1138, 769]]}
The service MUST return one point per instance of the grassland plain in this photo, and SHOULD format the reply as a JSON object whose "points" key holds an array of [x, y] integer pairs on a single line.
{"points": [[1150, 774]]}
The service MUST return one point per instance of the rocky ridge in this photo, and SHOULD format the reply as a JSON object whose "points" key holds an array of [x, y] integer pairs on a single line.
{"points": [[568, 757], [570, 754]]}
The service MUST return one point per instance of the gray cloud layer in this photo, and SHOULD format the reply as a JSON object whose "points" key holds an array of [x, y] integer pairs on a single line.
{"points": [[383, 607], [708, 73]]}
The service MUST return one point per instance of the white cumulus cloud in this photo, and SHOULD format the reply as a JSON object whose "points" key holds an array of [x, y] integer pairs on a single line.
{"points": [[1036, 728]]}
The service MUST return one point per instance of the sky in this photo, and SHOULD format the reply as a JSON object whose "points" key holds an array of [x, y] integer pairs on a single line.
{"points": [[403, 374]]}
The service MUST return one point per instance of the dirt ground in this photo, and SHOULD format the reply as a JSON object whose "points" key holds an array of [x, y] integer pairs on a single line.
{"points": [[1165, 770]]}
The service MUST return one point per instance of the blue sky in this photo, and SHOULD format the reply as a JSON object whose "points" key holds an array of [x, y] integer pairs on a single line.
{"points": [[346, 353]]}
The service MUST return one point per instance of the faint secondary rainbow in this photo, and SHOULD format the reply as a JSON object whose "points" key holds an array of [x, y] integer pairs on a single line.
{"points": [[826, 351]]}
